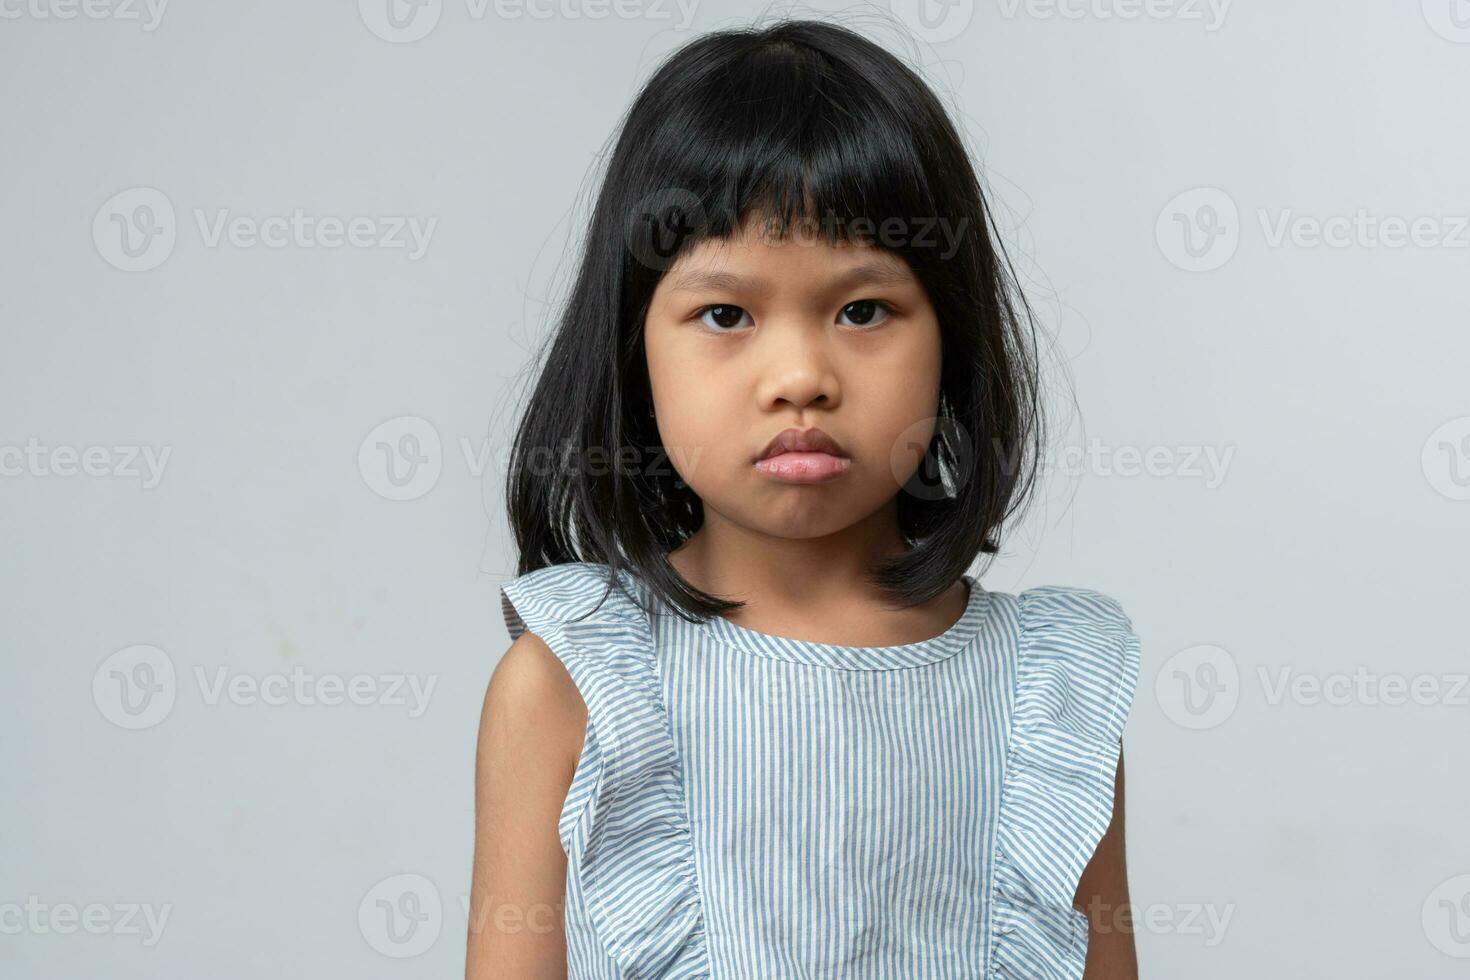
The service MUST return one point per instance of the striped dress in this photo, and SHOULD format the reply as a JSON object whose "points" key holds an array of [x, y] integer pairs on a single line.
{"points": [[751, 807]]}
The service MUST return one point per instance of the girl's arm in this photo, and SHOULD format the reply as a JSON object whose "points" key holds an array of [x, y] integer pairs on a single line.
{"points": [[1102, 894], [531, 730]]}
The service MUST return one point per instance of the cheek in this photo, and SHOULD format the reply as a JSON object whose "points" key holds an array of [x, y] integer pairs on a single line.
{"points": [[673, 370], [896, 401], [694, 415], [906, 373], [668, 371]]}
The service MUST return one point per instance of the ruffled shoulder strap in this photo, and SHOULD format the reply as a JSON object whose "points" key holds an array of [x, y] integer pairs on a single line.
{"points": [[624, 824], [1076, 671]]}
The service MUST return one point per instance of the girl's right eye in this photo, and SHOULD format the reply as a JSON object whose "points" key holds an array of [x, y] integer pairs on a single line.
{"points": [[725, 317]]}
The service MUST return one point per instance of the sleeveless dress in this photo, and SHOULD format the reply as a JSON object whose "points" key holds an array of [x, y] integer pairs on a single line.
{"points": [[751, 807]]}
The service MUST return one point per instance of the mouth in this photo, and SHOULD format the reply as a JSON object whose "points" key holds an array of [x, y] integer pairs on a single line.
{"points": [[803, 456]]}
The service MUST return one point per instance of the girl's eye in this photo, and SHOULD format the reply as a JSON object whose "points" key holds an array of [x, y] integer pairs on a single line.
{"points": [[866, 312], [725, 316]]}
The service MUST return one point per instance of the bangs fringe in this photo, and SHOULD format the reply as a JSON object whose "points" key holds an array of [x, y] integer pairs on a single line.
{"points": [[791, 142]]}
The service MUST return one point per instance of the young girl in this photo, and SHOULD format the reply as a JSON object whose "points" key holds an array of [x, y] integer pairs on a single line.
{"points": [[758, 719]]}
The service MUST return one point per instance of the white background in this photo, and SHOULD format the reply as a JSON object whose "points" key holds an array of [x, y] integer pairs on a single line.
{"points": [[1324, 829]]}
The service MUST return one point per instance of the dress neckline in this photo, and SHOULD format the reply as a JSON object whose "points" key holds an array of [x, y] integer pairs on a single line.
{"points": [[932, 650]]}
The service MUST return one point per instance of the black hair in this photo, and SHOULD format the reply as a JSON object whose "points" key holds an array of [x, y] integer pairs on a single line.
{"points": [[797, 121]]}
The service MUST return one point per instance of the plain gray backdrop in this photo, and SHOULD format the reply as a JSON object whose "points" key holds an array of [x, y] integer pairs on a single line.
{"points": [[272, 281]]}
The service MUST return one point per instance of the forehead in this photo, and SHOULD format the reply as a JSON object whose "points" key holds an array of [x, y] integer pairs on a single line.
{"points": [[758, 254]]}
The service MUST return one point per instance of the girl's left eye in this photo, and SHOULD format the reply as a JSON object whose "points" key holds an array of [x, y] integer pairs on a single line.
{"points": [[867, 312]]}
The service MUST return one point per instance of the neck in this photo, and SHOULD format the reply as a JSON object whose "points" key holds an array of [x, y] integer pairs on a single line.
{"points": [[726, 559]]}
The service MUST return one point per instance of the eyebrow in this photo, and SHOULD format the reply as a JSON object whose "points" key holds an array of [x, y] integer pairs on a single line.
{"points": [[867, 274]]}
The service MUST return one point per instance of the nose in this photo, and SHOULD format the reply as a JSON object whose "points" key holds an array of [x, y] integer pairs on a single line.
{"points": [[797, 367]]}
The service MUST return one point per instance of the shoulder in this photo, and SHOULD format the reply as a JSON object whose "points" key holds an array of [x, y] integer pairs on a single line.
{"points": [[1076, 666], [532, 710], [544, 600], [1071, 605], [532, 688], [530, 675], [582, 653], [1084, 633]]}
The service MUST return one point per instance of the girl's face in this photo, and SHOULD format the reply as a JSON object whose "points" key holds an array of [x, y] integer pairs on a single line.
{"points": [[755, 335]]}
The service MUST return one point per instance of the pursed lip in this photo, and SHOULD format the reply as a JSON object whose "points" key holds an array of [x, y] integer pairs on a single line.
{"points": [[795, 440]]}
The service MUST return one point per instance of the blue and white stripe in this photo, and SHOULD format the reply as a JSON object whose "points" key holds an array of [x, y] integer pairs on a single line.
{"points": [[750, 806]]}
